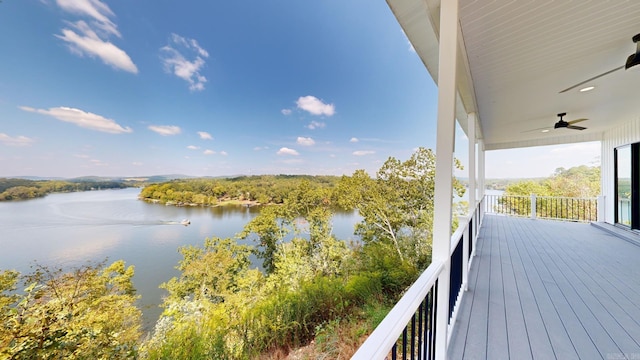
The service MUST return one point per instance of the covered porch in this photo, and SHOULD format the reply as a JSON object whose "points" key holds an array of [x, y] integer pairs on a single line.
{"points": [[543, 289], [501, 287]]}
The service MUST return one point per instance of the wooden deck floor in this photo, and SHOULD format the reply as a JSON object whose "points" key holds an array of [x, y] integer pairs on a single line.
{"points": [[549, 290]]}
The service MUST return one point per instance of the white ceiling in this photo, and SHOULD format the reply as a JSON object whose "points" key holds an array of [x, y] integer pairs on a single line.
{"points": [[516, 57]]}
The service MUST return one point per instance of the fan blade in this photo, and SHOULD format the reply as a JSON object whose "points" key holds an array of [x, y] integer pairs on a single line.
{"points": [[575, 127], [593, 78], [538, 129], [576, 121]]}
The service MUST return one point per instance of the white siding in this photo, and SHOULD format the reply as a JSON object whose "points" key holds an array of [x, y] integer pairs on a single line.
{"points": [[626, 133]]}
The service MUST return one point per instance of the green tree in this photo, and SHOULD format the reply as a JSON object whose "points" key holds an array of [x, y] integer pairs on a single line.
{"points": [[211, 272], [271, 227], [86, 313], [397, 205]]}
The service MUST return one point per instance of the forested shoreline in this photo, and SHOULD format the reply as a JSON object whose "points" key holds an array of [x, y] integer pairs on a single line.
{"points": [[258, 189], [23, 189]]}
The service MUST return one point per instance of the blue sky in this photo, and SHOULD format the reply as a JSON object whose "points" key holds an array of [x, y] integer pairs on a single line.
{"points": [[113, 88]]}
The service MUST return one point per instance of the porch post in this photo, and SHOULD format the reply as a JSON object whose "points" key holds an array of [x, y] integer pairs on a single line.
{"points": [[471, 133], [447, 58], [469, 237], [481, 183], [481, 168]]}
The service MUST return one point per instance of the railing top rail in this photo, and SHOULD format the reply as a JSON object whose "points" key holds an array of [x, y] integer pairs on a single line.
{"points": [[567, 197], [543, 197], [382, 339], [505, 195]]}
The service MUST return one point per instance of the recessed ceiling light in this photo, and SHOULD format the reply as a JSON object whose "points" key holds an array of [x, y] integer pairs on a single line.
{"points": [[588, 88], [545, 130]]}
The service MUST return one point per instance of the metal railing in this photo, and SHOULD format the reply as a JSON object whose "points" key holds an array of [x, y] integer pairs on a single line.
{"points": [[408, 331], [543, 207]]}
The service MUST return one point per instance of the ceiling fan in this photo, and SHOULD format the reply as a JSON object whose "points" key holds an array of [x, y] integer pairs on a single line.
{"points": [[568, 124], [632, 60], [561, 124]]}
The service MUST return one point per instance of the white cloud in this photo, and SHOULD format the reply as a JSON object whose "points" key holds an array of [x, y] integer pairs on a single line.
{"points": [[175, 60], [91, 38], [287, 151], [15, 141], [193, 147], [315, 106], [86, 42], [81, 118], [305, 141], [136, 163], [81, 156], [165, 130], [208, 152], [316, 125], [223, 153], [205, 135], [286, 111], [95, 9], [363, 152], [354, 140]]}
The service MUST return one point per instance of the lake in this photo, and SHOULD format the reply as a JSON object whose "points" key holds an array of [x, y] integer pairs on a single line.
{"points": [[73, 228]]}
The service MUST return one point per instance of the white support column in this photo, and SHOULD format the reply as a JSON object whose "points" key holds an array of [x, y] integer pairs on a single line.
{"points": [[481, 184], [471, 133], [481, 168], [447, 58]]}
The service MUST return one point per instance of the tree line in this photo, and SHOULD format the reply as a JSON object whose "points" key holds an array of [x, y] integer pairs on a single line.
{"points": [[262, 189], [311, 286], [23, 189]]}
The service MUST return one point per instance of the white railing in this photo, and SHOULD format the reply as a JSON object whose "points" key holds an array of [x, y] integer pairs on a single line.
{"points": [[544, 207], [408, 331]]}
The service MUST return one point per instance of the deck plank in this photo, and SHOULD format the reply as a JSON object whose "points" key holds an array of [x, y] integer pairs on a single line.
{"points": [[547, 289]]}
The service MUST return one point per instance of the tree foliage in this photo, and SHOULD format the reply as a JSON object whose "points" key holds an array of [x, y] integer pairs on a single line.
{"points": [[579, 182], [397, 205], [21, 189], [86, 313], [263, 189]]}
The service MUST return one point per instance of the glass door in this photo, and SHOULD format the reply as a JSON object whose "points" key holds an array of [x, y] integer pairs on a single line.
{"points": [[623, 185]]}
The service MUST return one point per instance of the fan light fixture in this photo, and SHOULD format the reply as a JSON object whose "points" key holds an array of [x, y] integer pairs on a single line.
{"points": [[634, 59]]}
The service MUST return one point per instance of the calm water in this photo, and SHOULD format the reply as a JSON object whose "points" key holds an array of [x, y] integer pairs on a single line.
{"points": [[69, 229]]}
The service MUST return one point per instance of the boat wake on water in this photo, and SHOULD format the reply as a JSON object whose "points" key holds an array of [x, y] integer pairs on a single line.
{"points": [[185, 222]]}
